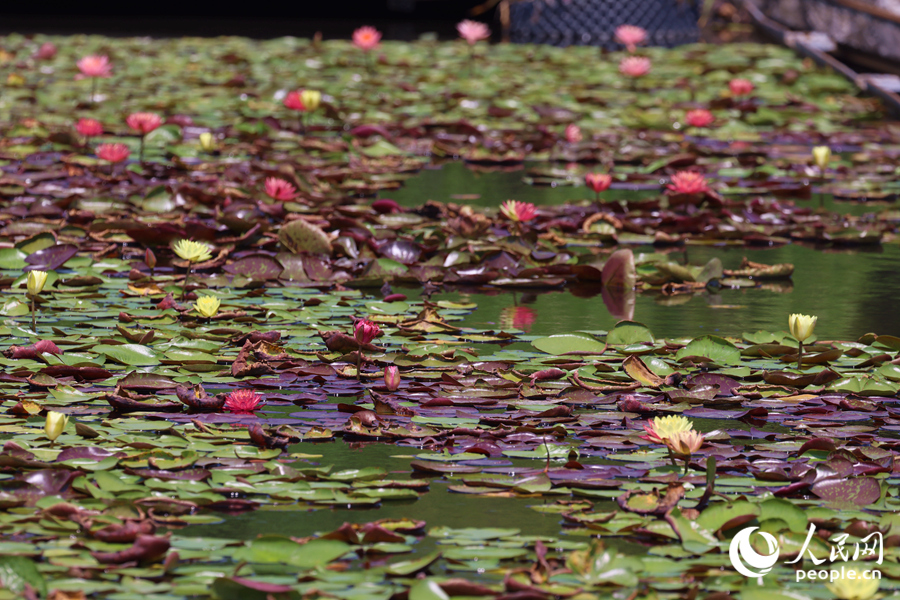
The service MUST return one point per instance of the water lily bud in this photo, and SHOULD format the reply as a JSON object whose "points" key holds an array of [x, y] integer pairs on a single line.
{"points": [[392, 378], [149, 258], [311, 99], [207, 306], [36, 281], [55, 424], [821, 155], [207, 141], [802, 326]]}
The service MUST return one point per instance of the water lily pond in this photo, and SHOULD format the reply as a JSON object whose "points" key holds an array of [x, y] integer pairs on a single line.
{"points": [[296, 345]]}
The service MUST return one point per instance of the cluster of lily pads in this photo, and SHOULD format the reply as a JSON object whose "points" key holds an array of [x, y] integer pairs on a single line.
{"points": [[203, 316]]}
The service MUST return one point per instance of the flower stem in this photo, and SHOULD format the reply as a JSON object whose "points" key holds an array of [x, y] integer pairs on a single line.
{"points": [[687, 464], [358, 362], [33, 324], [141, 151], [799, 355], [186, 276]]}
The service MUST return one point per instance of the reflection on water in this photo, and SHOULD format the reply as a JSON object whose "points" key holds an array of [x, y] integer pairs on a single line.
{"points": [[851, 291]]}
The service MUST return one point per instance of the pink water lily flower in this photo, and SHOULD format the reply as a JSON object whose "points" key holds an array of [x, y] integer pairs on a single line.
{"points": [[518, 211], [473, 31], [699, 117], [631, 36], [242, 401], [634, 66], [89, 127], [95, 66], [143, 122], [279, 189], [392, 378], [688, 182], [365, 331], [741, 87], [573, 133], [114, 153], [366, 38]]}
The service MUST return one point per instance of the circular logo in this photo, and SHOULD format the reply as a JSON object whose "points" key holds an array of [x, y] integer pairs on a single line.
{"points": [[743, 555]]}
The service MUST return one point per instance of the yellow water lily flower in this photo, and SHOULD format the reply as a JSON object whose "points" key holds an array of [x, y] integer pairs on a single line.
{"points": [[55, 424], [192, 251], [311, 99], [207, 141], [207, 306], [852, 585], [802, 326], [36, 281], [821, 156]]}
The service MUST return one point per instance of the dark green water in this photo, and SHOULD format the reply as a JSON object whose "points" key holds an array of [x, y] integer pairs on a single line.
{"points": [[851, 291]]}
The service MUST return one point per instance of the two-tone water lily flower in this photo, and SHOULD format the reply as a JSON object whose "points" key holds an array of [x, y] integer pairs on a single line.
{"points": [[518, 211], [660, 429], [598, 182]]}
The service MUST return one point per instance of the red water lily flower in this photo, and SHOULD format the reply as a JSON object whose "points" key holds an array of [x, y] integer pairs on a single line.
{"points": [[95, 66], [46, 52], [598, 182], [630, 36], [279, 189], [89, 127], [634, 66], [114, 153], [143, 122], [242, 401], [741, 87], [518, 211], [366, 38], [365, 331], [688, 182], [699, 117]]}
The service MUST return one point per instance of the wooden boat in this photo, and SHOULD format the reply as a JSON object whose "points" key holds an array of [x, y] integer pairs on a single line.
{"points": [[865, 31]]}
